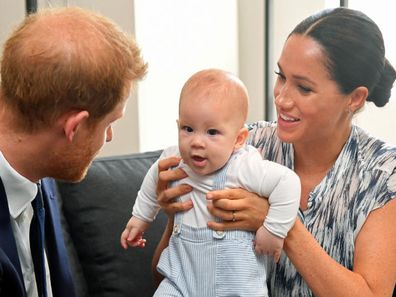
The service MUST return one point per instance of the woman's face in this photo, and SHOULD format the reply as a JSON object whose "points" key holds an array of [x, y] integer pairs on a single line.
{"points": [[311, 109]]}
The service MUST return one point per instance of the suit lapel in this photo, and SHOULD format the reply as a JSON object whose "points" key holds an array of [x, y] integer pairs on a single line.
{"points": [[61, 279], [7, 240]]}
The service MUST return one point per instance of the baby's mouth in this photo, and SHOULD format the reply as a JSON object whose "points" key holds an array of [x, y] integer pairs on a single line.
{"points": [[198, 161]]}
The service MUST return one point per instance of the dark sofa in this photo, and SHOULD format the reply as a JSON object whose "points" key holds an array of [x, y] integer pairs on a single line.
{"points": [[95, 213]]}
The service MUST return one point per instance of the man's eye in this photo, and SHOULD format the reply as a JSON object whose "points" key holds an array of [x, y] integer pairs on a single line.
{"points": [[213, 132], [187, 129]]}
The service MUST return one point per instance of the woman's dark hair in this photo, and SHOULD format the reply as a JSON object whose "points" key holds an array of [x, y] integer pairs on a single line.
{"points": [[354, 49]]}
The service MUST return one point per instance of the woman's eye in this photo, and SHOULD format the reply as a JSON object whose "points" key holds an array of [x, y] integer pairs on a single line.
{"points": [[213, 132], [187, 129], [304, 90], [280, 75]]}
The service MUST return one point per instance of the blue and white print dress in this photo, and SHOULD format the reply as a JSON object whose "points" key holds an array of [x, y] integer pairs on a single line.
{"points": [[362, 179]]}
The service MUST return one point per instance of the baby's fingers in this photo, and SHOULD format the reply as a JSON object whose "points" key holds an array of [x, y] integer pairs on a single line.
{"points": [[123, 239]]}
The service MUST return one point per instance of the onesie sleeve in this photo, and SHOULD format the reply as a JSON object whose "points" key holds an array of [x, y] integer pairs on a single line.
{"points": [[277, 182], [146, 206]]}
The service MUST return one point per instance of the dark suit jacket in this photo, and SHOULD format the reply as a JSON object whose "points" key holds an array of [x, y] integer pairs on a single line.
{"points": [[11, 280]]}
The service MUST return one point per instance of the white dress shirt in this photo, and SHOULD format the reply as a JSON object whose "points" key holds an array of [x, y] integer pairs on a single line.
{"points": [[20, 193]]}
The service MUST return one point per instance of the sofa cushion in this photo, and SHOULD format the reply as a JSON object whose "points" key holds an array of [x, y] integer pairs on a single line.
{"points": [[96, 211]]}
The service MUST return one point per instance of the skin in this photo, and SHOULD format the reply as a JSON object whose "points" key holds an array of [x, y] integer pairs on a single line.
{"points": [[211, 128], [316, 118], [68, 146]]}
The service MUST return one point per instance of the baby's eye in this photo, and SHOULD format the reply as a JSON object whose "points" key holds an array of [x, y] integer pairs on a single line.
{"points": [[213, 132], [187, 129]]}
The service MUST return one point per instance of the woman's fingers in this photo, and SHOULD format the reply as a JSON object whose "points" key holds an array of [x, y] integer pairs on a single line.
{"points": [[167, 163], [165, 176], [229, 194], [166, 199], [237, 209], [168, 195]]}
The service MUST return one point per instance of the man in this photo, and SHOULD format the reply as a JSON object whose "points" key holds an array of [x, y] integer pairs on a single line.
{"points": [[65, 78]]}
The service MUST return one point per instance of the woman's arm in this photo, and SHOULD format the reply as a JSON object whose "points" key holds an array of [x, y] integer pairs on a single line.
{"points": [[166, 200], [374, 270], [158, 251]]}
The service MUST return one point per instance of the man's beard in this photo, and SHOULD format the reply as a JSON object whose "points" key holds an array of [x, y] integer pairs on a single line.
{"points": [[72, 165]]}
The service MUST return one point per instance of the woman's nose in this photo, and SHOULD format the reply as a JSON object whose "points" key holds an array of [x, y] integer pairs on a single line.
{"points": [[109, 134], [283, 97]]}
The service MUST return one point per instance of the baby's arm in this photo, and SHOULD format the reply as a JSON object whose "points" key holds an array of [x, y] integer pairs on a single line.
{"points": [[283, 189], [146, 206], [284, 199], [268, 243], [133, 234]]}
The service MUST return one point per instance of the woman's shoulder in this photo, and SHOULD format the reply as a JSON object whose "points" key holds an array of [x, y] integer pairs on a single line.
{"points": [[261, 126], [261, 132], [375, 153]]}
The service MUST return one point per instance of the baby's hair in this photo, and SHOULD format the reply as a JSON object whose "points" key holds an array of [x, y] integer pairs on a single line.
{"points": [[221, 82]]}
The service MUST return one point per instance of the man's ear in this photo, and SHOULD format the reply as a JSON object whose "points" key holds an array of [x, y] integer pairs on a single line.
{"points": [[72, 122], [357, 99], [241, 138]]}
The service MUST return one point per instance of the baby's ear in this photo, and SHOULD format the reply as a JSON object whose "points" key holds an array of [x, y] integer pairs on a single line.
{"points": [[241, 138]]}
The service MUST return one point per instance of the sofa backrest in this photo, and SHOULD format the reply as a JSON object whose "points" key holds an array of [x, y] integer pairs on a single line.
{"points": [[96, 211]]}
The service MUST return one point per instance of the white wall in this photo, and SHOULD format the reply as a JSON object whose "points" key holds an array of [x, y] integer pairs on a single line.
{"points": [[178, 38], [380, 122], [125, 130], [11, 13]]}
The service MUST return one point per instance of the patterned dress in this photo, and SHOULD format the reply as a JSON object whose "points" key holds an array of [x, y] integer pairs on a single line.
{"points": [[362, 179]]}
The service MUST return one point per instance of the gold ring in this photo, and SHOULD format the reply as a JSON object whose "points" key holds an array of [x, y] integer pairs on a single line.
{"points": [[233, 216]]}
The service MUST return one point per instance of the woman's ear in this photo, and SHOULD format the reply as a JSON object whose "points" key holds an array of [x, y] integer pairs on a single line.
{"points": [[241, 138], [357, 99], [72, 123]]}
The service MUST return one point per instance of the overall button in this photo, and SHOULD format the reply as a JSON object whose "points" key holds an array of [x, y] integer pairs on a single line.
{"points": [[219, 234], [176, 229]]}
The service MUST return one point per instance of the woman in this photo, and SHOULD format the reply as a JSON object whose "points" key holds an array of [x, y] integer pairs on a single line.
{"points": [[344, 243]]}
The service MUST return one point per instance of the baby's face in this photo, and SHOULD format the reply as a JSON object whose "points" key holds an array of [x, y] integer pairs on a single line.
{"points": [[208, 130]]}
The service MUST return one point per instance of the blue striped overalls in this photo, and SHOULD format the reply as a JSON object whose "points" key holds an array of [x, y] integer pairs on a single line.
{"points": [[200, 262]]}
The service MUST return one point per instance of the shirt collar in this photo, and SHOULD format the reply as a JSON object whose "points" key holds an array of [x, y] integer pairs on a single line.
{"points": [[19, 190]]}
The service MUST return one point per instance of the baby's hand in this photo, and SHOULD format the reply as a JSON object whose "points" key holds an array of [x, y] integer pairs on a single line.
{"points": [[133, 235], [268, 243]]}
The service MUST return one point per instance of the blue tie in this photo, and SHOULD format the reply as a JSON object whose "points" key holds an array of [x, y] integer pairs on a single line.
{"points": [[37, 239]]}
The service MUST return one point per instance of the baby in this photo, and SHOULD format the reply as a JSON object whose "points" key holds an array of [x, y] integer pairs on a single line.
{"points": [[199, 261]]}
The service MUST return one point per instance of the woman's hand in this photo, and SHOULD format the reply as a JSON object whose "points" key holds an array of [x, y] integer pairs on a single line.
{"points": [[238, 209], [166, 199], [166, 196]]}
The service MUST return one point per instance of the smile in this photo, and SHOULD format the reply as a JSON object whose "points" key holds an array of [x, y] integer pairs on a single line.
{"points": [[288, 119]]}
